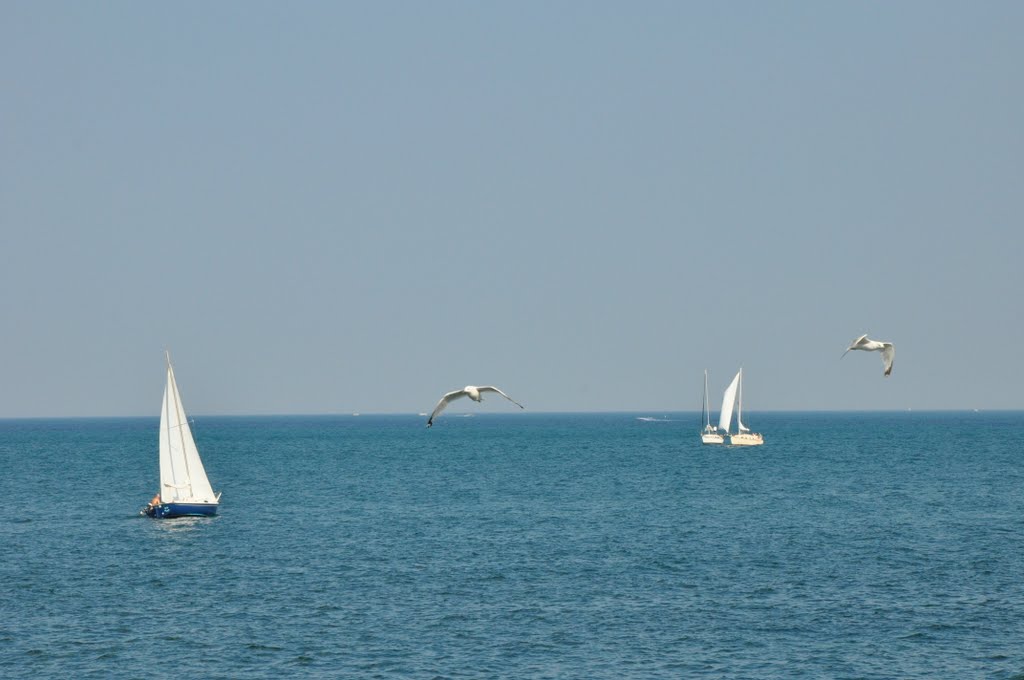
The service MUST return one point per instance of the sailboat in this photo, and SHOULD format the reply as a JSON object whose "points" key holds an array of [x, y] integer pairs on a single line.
{"points": [[743, 436], [184, 488], [709, 435]]}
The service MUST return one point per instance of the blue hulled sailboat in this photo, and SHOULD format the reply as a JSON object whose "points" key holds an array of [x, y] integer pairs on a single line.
{"points": [[184, 488]]}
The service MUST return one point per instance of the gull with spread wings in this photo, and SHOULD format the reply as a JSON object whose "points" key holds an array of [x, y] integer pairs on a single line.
{"points": [[468, 391], [868, 345]]}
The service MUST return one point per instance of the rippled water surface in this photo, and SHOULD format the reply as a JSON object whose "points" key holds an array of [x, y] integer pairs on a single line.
{"points": [[542, 546]]}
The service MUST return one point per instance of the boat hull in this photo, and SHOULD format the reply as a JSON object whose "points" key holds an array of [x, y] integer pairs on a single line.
{"points": [[746, 439], [712, 439], [169, 510]]}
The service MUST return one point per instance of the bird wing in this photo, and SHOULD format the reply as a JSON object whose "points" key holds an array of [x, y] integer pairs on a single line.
{"points": [[451, 396], [888, 354], [490, 388], [855, 344]]}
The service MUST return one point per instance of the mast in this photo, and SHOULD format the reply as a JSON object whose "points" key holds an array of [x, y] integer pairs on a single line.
{"points": [[179, 413], [704, 403], [739, 403], [165, 441], [739, 410]]}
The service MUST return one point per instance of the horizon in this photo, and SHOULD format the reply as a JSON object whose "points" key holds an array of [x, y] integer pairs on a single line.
{"points": [[456, 414]]}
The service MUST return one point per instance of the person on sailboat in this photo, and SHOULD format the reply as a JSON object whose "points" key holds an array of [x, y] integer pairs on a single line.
{"points": [[151, 506]]}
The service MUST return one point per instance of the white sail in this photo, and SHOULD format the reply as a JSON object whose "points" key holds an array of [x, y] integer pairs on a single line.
{"points": [[725, 419], [182, 476]]}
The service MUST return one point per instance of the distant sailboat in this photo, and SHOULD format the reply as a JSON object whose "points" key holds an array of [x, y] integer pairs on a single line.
{"points": [[743, 437], [184, 487], [709, 435]]}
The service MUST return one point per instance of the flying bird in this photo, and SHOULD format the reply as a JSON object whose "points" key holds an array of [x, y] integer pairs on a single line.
{"points": [[467, 391], [868, 345]]}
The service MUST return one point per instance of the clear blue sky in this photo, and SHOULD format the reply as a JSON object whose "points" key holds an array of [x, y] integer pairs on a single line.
{"points": [[336, 207]]}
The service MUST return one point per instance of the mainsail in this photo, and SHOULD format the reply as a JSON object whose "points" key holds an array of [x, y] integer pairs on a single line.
{"points": [[182, 476], [727, 404]]}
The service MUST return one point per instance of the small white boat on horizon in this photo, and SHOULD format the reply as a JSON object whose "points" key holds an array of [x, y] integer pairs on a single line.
{"points": [[743, 436], [710, 434]]}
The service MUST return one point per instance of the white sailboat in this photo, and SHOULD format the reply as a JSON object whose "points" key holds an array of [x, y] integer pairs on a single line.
{"points": [[743, 437], [709, 435], [184, 488]]}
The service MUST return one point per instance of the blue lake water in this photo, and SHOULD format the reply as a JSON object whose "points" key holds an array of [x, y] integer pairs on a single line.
{"points": [[851, 545]]}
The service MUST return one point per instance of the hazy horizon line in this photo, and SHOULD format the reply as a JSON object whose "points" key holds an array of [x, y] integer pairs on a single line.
{"points": [[358, 414]]}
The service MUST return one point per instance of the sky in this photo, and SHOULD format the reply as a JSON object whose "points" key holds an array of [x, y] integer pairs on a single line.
{"points": [[336, 207]]}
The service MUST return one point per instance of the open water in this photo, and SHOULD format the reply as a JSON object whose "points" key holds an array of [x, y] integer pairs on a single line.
{"points": [[857, 545]]}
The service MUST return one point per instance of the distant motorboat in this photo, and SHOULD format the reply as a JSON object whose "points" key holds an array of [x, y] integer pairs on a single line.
{"points": [[184, 488]]}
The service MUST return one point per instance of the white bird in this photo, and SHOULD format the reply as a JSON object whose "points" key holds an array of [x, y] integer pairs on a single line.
{"points": [[467, 391], [869, 345]]}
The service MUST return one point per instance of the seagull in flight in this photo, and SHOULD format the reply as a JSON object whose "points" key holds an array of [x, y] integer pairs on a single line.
{"points": [[869, 345], [468, 391]]}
